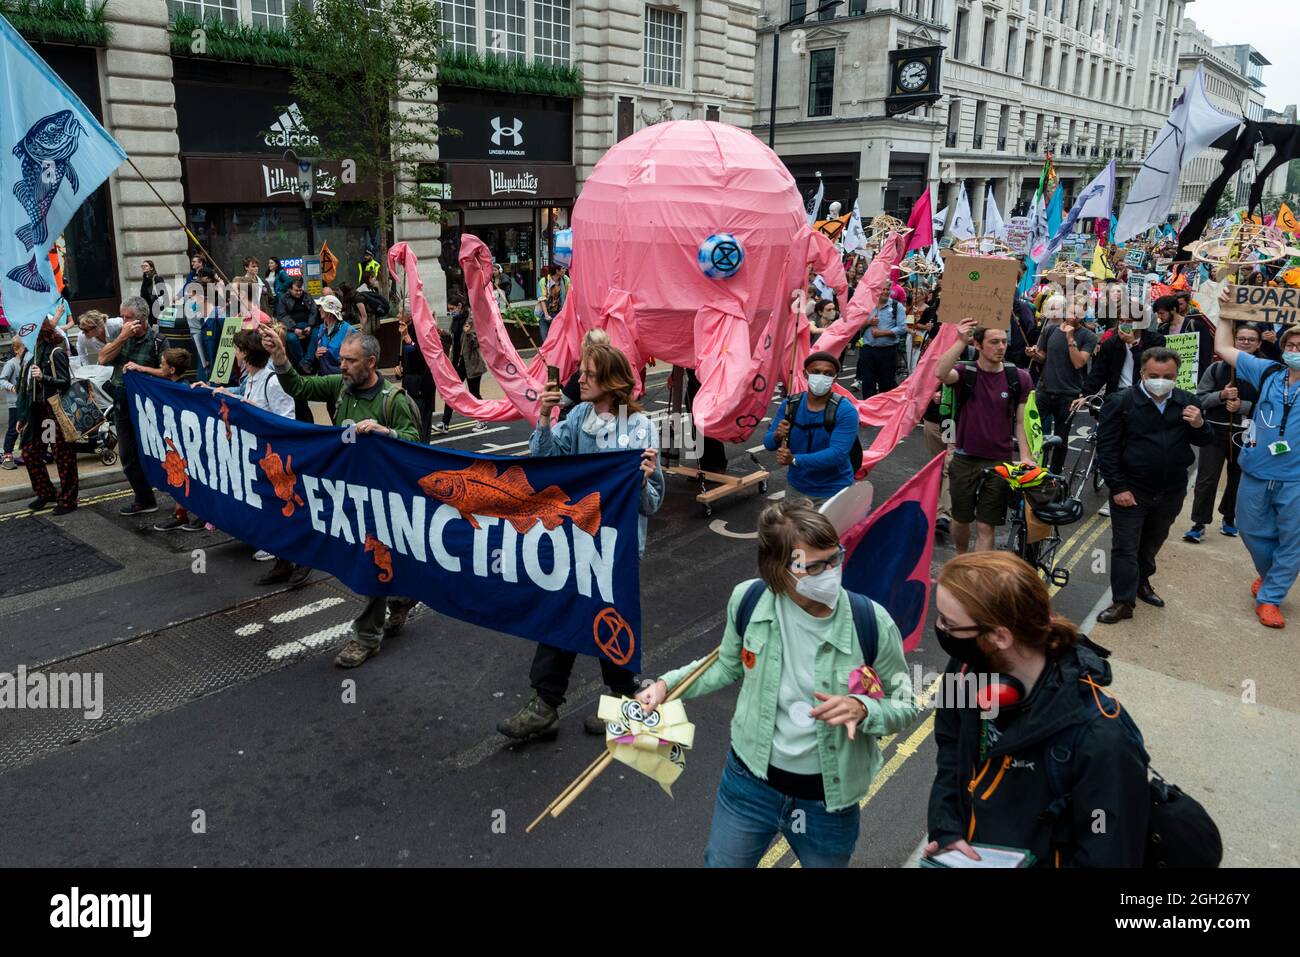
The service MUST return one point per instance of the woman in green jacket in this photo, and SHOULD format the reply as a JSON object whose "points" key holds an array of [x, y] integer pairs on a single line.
{"points": [[803, 739]]}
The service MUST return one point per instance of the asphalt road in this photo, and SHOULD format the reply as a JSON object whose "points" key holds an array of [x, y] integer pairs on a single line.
{"points": [[223, 708]]}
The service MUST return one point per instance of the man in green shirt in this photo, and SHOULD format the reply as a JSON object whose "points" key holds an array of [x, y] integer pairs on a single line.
{"points": [[374, 406]]}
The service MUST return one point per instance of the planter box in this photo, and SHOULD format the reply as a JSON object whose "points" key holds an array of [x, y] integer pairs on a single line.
{"points": [[519, 338]]}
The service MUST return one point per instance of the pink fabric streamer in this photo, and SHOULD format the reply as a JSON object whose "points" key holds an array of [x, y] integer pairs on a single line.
{"points": [[859, 309], [452, 390], [826, 260], [906, 404], [618, 318]]}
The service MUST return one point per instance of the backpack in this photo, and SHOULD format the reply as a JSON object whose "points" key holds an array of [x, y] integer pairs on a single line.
{"points": [[1180, 833], [956, 395], [391, 392], [832, 406], [864, 617], [377, 307]]}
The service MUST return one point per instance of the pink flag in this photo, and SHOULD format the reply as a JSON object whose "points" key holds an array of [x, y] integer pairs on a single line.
{"points": [[888, 552], [859, 308], [921, 223]]}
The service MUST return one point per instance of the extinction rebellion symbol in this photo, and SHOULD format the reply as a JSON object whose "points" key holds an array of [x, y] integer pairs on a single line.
{"points": [[974, 275]]}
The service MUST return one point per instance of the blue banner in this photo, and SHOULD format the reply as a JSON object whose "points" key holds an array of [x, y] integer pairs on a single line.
{"points": [[53, 155], [542, 548]]}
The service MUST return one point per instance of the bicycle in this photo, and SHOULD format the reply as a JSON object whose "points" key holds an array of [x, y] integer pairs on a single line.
{"points": [[1086, 467], [1052, 503]]}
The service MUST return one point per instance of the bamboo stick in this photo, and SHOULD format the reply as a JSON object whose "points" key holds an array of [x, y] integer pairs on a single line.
{"points": [[194, 239], [593, 770]]}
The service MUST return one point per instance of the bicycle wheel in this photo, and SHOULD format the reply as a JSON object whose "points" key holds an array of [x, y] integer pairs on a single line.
{"points": [[1096, 472]]}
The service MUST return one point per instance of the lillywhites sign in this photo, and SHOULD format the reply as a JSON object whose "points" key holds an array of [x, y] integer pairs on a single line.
{"points": [[277, 182], [518, 183]]}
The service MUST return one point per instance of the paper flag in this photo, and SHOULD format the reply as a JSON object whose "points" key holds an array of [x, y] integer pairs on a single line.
{"points": [[653, 744]]}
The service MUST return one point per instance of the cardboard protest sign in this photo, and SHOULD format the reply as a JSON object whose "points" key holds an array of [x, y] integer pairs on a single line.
{"points": [[981, 287], [223, 365], [1262, 304]]}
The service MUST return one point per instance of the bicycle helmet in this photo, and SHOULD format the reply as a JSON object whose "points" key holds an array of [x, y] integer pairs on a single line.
{"points": [[1053, 504]]}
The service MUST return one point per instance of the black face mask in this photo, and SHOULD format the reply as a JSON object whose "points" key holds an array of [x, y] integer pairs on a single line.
{"points": [[965, 650]]}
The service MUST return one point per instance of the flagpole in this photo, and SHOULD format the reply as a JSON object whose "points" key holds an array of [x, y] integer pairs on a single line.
{"points": [[194, 239]]}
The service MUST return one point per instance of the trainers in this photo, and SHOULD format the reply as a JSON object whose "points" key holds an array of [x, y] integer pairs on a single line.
{"points": [[480, 426], [8, 463], [135, 508], [1228, 529], [36, 504], [593, 725], [262, 555], [396, 620], [354, 653], [194, 525], [1104, 511], [63, 509], [1194, 534], [299, 576], [536, 719], [1256, 585], [1270, 616], [441, 428], [169, 525], [282, 572]]}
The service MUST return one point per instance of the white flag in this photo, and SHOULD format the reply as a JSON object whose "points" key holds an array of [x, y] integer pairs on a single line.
{"points": [[815, 204], [938, 219], [993, 225], [962, 226], [1095, 201], [855, 237], [934, 256], [1192, 126]]}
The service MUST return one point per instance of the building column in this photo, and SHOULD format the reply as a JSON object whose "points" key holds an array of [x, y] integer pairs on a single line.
{"points": [[421, 233], [873, 177], [950, 203], [979, 187], [1003, 193], [140, 112]]}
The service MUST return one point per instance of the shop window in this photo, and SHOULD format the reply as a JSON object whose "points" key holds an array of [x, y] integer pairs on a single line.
{"points": [[664, 31], [225, 10], [552, 22], [460, 25], [269, 13], [503, 25], [88, 267]]}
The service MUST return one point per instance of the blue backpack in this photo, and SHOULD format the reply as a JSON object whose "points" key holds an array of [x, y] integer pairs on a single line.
{"points": [[864, 617]]}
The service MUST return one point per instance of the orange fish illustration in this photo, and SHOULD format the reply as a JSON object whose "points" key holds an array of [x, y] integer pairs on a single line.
{"points": [[225, 417], [383, 558], [480, 490], [280, 474], [176, 466]]}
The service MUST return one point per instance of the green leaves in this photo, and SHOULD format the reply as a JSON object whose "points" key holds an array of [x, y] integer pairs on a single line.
{"points": [[241, 43], [492, 73], [64, 21]]}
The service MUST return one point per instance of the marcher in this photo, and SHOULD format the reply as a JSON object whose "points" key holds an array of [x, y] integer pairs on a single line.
{"points": [[1064, 351], [369, 266], [9, 374], [152, 290], [994, 785], [813, 433], [141, 345], [878, 358], [607, 419], [465, 355], [375, 407], [96, 330], [173, 365], [1116, 359], [47, 376], [1144, 448], [1268, 495], [805, 735], [988, 400], [1226, 403]]}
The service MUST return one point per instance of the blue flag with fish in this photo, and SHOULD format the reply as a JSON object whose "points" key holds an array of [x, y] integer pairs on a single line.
{"points": [[53, 155]]}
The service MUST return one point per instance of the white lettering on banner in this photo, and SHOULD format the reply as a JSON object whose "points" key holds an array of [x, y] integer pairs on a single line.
{"points": [[359, 494], [250, 469], [210, 425], [441, 516], [229, 453], [192, 433], [519, 183], [381, 520], [150, 441], [586, 560], [314, 503], [559, 573], [408, 527], [485, 524], [338, 494], [509, 548]]}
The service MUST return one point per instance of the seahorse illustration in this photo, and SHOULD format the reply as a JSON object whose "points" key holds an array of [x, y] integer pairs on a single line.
{"points": [[280, 475], [176, 466], [225, 417], [383, 558]]}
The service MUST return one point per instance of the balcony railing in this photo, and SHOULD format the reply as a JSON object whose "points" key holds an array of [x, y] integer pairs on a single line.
{"points": [[1031, 146], [1065, 150]]}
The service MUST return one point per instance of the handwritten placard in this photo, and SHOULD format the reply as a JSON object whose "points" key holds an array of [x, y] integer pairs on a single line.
{"points": [[980, 287], [1262, 304]]}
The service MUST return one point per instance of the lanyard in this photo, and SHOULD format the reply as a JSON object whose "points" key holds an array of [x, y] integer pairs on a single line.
{"points": [[1288, 400]]}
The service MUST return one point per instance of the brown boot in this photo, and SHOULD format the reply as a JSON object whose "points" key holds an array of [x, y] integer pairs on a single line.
{"points": [[1119, 611]]}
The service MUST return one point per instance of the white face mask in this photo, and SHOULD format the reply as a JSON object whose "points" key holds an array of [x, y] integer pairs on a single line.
{"points": [[824, 588], [820, 384], [1159, 387]]}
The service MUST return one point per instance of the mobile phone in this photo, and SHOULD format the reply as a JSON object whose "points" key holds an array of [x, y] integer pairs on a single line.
{"points": [[552, 375]]}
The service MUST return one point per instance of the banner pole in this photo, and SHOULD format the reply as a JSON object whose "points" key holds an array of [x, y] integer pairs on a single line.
{"points": [[194, 239]]}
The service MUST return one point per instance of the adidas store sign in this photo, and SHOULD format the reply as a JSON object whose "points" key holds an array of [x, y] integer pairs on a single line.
{"points": [[290, 131]]}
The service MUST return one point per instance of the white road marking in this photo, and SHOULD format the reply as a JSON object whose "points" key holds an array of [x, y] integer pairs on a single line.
{"points": [[757, 448], [310, 641], [720, 526], [293, 614], [247, 630], [471, 432], [777, 496], [493, 449]]}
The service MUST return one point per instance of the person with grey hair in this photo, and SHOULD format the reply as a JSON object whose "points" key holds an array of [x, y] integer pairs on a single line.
{"points": [[139, 344], [375, 406]]}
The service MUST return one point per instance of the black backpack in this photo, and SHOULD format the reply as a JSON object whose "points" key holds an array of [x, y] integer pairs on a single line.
{"points": [[832, 406], [377, 307], [1180, 833]]}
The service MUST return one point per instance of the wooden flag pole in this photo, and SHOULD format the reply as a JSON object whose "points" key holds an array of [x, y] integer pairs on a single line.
{"points": [[593, 770]]}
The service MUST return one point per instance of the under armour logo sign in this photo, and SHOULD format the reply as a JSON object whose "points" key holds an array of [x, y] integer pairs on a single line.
{"points": [[511, 131]]}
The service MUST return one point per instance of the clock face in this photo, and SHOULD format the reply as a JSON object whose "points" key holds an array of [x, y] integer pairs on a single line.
{"points": [[914, 75]]}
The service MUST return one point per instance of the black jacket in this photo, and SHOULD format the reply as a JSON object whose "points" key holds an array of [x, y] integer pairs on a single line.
{"points": [[1141, 450], [1214, 381], [1108, 361], [300, 313], [1012, 802]]}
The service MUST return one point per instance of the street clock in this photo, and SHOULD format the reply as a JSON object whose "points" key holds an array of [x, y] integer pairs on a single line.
{"points": [[913, 78]]}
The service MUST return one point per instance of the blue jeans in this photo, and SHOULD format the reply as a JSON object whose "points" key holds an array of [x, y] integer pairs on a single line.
{"points": [[1268, 517], [750, 813]]}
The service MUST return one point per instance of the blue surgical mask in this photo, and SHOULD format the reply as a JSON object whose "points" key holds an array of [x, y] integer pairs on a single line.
{"points": [[821, 384], [1292, 360]]}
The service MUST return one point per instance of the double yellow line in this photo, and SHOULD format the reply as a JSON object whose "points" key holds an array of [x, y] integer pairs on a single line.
{"points": [[1077, 545], [92, 500]]}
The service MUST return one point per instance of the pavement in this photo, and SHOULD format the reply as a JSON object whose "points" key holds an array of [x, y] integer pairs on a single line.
{"points": [[228, 739]]}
